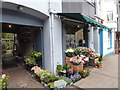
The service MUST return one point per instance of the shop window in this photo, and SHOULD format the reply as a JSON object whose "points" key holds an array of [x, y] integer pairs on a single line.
{"points": [[109, 16], [109, 39], [74, 35]]}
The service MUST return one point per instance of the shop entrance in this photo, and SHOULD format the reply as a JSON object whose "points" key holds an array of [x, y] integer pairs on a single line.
{"points": [[18, 41], [76, 34]]}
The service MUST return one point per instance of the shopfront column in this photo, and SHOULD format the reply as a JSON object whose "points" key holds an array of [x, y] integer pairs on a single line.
{"points": [[90, 37], [96, 36]]}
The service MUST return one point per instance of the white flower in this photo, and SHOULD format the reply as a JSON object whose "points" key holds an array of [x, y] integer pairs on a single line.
{"points": [[3, 76], [71, 60], [69, 50], [60, 83], [86, 59], [97, 54], [64, 71], [93, 49]]}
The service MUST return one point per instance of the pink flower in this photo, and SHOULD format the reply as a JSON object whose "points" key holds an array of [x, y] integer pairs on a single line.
{"points": [[70, 70]]}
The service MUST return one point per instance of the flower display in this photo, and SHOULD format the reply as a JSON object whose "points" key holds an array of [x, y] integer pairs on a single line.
{"points": [[70, 52], [3, 81], [75, 77], [92, 56], [80, 59], [85, 72], [36, 69], [76, 61], [98, 65]]}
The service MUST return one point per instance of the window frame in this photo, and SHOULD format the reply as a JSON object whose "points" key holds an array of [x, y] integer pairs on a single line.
{"points": [[109, 39]]}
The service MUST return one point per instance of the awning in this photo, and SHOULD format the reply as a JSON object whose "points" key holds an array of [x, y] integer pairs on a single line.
{"points": [[80, 17]]}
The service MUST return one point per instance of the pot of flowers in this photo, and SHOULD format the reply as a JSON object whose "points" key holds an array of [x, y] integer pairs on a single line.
{"points": [[69, 52], [76, 63], [75, 77], [30, 62], [70, 72], [93, 59], [4, 81], [98, 65], [85, 72]]}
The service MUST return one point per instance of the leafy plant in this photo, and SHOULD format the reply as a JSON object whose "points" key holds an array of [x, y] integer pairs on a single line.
{"points": [[99, 64], [66, 67], [51, 78], [75, 77], [3, 81], [59, 68], [35, 54], [30, 60], [70, 52], [101, 57], [51, 85], [85, 72]]}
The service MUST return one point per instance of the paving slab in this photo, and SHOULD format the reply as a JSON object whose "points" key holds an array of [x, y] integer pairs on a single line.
{"points": [[21, 78]]}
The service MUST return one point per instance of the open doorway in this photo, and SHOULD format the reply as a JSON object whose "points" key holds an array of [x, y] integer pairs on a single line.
{"points": [[18, 41]]}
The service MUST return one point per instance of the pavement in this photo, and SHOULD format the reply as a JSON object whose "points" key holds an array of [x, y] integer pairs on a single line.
{"points": [[21, 78], [106, 77]]}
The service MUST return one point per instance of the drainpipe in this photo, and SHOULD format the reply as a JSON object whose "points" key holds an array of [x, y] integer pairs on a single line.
{"points": [[51, 37]]}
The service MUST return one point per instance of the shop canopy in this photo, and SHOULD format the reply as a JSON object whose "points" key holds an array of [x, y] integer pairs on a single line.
{"points": [[80, 17]]}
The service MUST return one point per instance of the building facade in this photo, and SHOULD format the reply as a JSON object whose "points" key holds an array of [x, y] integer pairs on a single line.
{"points": [[107, 13], [56, 26]]}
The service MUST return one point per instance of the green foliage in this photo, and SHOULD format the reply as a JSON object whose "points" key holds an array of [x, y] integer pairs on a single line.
{"points": [[101, 57], [59, 68], [30, 60], [51, 85], [3, 81], [99, 64], [34, 54], [66, 67], [50, 78], [7, 35], [85, 71]]}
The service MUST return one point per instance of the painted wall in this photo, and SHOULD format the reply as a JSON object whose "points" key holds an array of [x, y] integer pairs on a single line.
{"points": [[57, 42], [78, 6], [107, 51], [39, 5]]}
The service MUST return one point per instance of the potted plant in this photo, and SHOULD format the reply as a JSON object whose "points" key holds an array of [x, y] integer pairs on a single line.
{"points": [[85, 72], [59, 70], [98, 65], [70, 52], [3, 81], [70, 72], [30, 62], [76, 61], [75, 77]]}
